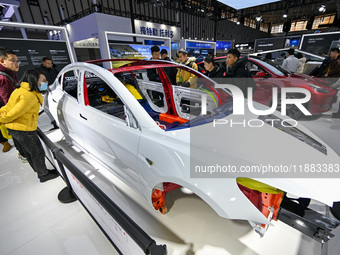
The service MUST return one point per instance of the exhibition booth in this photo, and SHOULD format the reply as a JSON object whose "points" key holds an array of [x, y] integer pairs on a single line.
{"points": [[116, 208]]}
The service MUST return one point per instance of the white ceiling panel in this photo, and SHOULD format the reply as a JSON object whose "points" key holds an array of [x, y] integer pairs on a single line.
{"points": [[241, 4]]}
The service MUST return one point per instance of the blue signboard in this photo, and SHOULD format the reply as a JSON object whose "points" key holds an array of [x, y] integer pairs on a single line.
{"points": [[156, 32], [198, 45], [174, 46], [152, 42], [223, 45], [294, 42]]}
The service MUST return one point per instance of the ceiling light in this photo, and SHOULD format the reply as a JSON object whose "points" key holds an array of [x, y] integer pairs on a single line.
{"points": [[209, 15], [322, 8], [237, 4], [157, 3]]}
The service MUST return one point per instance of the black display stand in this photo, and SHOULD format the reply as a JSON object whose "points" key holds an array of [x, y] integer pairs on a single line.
{"points": [[66, 196], [335, 210], [142, 239]]}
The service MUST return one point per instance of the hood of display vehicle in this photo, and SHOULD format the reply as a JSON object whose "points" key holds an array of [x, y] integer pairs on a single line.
{"points": [[235, 142]]}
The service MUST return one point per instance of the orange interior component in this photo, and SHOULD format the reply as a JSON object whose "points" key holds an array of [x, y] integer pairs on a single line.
{"points": [[271, 201], [158, 201], [265, 202], [171, 119]]}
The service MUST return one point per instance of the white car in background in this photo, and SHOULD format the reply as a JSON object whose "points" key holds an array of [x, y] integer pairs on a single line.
{"points": [[152, 135], [312, 60]]}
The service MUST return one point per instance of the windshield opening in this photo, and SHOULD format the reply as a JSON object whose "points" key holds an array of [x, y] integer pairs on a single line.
{"points": [[277, 69], [172, 106]]}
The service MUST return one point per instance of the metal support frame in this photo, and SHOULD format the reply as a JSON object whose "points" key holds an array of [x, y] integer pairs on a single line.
{"points": [[63, 31], [307, 221]]}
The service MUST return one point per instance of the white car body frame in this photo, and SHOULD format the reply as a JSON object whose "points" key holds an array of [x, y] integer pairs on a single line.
{"points": [[128, 147]]}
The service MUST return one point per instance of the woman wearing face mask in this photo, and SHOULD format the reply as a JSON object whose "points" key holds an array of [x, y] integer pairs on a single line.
{"points": [[20, 116]]}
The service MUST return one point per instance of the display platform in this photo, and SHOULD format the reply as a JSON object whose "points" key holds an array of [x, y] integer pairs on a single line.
{"points": [[191, 226]]}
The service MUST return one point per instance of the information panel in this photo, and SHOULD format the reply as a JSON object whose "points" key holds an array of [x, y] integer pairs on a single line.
{"points": [[31, 52], [318, 43], [133, 51], [223, 45], [292, 42], [269, 44]]}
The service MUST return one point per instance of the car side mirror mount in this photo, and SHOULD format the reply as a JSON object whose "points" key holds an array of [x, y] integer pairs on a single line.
{"points": [[260, 74]]}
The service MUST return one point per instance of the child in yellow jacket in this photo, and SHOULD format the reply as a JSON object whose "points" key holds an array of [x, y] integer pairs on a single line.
{"points": [[20, 116]]}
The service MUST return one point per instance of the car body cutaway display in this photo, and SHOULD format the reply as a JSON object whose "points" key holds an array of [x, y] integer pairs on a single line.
{"points": [[142, 130]]}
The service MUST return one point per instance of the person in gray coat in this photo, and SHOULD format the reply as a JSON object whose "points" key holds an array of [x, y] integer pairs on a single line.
{"points": [[279, 60], [291, 63]]}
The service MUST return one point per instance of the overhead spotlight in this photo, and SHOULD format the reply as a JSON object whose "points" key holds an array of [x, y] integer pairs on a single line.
{"points": [[157, 3], [284, 15], [209, 15], [258, 18], [322, 8]]}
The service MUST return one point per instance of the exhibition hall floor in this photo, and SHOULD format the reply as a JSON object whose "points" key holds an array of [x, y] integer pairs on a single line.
{"points": [[33, 221]]}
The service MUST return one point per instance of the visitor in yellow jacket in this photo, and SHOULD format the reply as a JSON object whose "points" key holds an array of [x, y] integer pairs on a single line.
{"points": [[184, 78], [20, 116]]}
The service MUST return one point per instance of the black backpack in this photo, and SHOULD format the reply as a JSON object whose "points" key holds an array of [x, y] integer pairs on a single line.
{"points": [[9, 77]]}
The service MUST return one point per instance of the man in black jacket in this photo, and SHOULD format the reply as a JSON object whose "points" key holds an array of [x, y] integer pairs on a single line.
{"points": [[238, 73], [152, 73], [170, 71], [212, 70], [47, 69], [334, 66]]}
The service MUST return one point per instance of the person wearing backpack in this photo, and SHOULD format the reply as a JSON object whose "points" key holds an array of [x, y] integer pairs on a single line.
{"points": [[9, 66]]}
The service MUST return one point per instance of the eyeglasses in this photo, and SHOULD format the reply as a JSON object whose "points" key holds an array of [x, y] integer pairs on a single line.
{"points": [[15, 61]]}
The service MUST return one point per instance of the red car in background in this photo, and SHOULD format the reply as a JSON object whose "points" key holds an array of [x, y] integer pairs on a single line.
{"points": [[268, 75]]}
